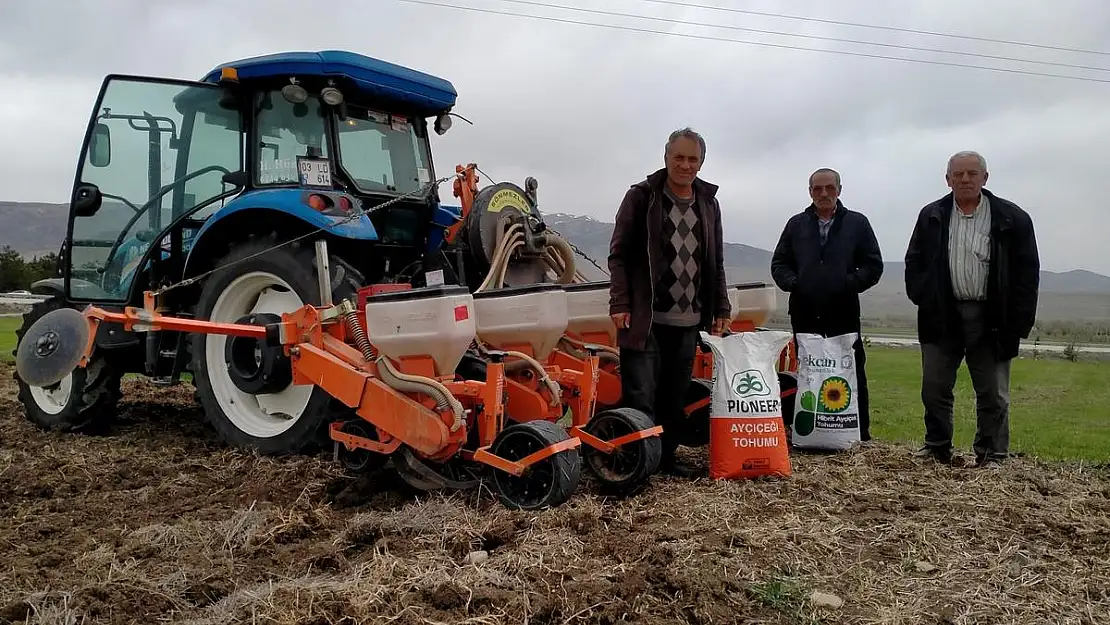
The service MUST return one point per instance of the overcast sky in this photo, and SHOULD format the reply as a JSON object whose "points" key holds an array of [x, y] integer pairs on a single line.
{"points": [[586, 110]]}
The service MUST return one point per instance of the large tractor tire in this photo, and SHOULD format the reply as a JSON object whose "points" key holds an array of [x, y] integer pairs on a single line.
{"points": [[84, 399], [258, 279]]}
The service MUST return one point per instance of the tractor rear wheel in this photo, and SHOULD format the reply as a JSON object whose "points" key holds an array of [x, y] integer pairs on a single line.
{"points": [[86, 397], [546, 484], [258, 278], [631, 464]]}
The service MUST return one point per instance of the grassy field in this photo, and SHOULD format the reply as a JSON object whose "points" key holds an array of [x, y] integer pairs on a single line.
{"points": [[1059, 409], [8, 326]]}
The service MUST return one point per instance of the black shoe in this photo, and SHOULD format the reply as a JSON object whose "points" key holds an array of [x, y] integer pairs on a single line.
{"points": [[988, 462], [940, 454], [677, 469]]}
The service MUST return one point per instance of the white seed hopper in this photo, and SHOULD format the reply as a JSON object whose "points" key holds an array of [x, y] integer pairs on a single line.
{"points": [[588, 310], [533, 315], [753, 302], [438, 322]]}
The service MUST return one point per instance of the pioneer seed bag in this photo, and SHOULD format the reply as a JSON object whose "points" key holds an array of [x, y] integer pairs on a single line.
{"points": [[746, 434], [825, 413]]}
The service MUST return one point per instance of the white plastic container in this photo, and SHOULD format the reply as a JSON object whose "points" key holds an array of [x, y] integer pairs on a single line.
{"points": [[434, 321], [534, 315], [752, 301], [588, 310]]}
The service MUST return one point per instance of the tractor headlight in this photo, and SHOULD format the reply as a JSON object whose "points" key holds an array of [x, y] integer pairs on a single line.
{"points": [[294, 93], [443, 123]]}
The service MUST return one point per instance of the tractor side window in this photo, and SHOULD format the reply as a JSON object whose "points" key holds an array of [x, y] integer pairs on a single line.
{"points": [[213, 144], [382, 152], [140, 157], [286, 131]]}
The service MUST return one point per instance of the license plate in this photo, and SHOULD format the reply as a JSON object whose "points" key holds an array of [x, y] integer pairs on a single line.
{"points": [[315, 172]]}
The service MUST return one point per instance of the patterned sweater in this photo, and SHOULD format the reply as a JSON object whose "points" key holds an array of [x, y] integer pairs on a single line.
{"points": [[676, 296]]}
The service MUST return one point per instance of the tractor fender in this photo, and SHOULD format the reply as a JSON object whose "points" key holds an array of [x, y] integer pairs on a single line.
{"points": [[443, 218], [284, 211], [49, 286]]}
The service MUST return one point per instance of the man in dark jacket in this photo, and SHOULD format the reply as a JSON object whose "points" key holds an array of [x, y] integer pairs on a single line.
{"points": [[828, 255], [973, 270], [667, 283]]}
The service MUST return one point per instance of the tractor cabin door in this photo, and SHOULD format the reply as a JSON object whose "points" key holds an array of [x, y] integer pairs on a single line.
{"points": [[155, 153]]}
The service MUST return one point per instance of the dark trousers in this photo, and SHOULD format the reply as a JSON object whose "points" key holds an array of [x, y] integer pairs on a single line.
{"points": [[863, 402], [990, 378], [655, 380]]}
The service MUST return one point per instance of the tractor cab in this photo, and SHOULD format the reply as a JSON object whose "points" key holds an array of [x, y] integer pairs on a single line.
{"points": [[221, 197], [173, 172]]}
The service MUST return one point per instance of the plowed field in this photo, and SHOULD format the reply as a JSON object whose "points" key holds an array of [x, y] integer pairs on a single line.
{"points": [[153, 521]]}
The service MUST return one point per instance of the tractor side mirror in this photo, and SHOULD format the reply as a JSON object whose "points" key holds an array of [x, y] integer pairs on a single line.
{"points": [[100, 146]]}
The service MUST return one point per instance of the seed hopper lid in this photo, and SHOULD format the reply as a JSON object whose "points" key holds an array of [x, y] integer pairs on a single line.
{"points": [[52, 347]]}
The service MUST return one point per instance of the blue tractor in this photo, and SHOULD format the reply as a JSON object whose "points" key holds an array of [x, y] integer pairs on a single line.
{"points": [[214, 193]]}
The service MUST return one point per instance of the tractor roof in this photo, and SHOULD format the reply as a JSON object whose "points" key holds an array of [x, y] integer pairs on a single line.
{"points": [[373, 77]]}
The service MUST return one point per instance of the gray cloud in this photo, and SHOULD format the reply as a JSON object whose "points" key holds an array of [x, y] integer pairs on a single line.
{"points": [[586, 110]]}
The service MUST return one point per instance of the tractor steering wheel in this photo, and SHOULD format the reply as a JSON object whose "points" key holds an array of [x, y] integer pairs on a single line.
{"points": [[113, 271]]}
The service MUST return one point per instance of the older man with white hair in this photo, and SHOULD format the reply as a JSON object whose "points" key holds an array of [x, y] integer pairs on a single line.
{"points": [[973, 271]]}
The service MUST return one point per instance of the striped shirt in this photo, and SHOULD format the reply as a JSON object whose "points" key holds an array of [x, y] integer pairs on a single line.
{"points": [[969, 240]]}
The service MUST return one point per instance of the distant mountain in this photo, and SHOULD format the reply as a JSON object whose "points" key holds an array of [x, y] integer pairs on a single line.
{"points": [[745, 262], [38, 228], [33, 228]]}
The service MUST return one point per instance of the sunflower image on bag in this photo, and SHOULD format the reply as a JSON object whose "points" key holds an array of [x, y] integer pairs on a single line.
{"points": [[825, 414]]}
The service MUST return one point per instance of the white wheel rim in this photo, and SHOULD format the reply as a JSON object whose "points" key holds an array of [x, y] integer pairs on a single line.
{"points": [[53, 400], [264, 415]]}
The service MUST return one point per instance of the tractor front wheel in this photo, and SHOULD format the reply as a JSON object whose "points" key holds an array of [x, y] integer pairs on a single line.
{"points": [[546, 484], [258, 279], [85, 398], [631, 464]]}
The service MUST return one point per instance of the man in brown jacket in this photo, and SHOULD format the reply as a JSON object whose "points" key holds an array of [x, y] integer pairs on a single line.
{"points": [[666, 261]]}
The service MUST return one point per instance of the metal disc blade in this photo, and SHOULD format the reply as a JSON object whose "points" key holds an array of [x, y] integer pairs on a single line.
{"points": [[52, 347]]}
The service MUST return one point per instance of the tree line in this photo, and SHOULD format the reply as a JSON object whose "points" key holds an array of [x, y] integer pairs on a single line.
{"points": [[17, 273]]}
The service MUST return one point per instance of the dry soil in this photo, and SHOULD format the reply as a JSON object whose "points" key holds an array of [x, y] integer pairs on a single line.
{"points": [[153, 521]]}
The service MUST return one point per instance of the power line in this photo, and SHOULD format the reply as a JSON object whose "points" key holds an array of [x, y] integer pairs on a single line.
{"points": [[753, 43], [804, 36], [1026, 44]]}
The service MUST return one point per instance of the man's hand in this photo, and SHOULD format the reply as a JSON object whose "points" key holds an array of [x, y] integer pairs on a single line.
{"points": [[720, 324], [621, 320]]}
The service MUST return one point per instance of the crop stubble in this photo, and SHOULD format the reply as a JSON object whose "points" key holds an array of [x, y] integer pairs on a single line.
{"points": [[153, 521]]}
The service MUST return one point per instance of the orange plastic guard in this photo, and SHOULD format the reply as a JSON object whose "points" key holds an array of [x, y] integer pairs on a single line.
{"points": [[389, 411]]}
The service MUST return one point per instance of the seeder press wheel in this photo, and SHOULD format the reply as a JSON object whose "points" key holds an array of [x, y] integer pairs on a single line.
{"points": [[547, 483], [630, 464]]}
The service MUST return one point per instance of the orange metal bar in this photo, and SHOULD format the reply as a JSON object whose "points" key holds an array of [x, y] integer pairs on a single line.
{"points": [[518, 467], [350, 441], [465, 189], [152, 321]]}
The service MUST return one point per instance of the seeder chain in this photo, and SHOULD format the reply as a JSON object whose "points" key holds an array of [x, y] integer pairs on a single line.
{"points": [[351, 217]]}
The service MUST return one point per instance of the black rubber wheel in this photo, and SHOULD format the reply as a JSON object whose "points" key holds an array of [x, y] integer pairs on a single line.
{"points": [[696, 431], [361, 460], [295, 265], [87, 398], [629, 465], [546, 484]]}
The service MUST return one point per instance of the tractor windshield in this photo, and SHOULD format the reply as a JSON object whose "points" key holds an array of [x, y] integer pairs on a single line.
{"points": [[382, 152]]}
